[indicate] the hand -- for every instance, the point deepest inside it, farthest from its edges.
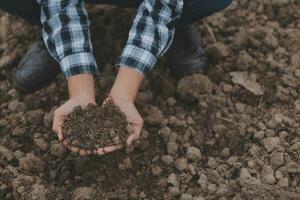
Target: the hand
(123, 94)
(133, 118)
(81, 92)
(60, 115)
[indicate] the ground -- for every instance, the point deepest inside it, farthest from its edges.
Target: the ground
(233, 133)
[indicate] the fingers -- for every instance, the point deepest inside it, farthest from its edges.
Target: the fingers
(100, 151)
(137, 132)
(81, 152)
(105, 150)
(131, 139)
(70, 147)
(84, 152)
(57, 125)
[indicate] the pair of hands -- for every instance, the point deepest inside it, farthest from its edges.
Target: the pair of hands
(128, 108)
(123, 94)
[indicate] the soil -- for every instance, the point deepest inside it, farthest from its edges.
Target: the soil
(207, 136)
(96, 127)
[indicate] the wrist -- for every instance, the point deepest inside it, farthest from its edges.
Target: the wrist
(81, 87)
(126, 85)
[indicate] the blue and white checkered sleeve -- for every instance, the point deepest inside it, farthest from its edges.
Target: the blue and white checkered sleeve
(67, 36)
(151, 34)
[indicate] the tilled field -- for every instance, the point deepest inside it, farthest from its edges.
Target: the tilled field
(233, 133)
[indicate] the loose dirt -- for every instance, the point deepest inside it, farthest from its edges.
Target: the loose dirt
(205, 137)
(96, 127)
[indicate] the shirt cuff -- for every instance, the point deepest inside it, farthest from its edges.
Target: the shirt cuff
(79, 63)
(141, 60)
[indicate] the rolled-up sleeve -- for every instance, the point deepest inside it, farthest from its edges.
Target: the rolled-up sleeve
(151, 34)
(66, 33)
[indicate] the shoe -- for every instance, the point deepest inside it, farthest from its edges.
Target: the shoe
(36, 69)
(186, 56)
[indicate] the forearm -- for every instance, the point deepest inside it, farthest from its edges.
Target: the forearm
(82, 87)
(66, 33)
(127, 84)
(144, 47)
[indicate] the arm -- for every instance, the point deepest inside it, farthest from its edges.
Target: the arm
(151, 34)
(81, 92)
(123, 94)
(126, 85)
(149, 38)
(65, 28)
(67, 37)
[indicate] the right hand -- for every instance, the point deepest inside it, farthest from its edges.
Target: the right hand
(82, 93)
(60, 115)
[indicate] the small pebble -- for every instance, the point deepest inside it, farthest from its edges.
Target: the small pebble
(156, 171)
(293, 167)
(41, 143)
(174, 191)
(172, 180)
(58, 150)
(203, 181)
(193, 154)
(172, 148)
(267, 175)
(167, 159)
(31, 163)
(116, 140)
(276, 160)
(181, 164)
(225, 153)
(212, 163)
(186, 197)
(271, 143)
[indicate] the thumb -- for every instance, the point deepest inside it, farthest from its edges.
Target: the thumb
(136, 135)
(57, 126)
(131, 139)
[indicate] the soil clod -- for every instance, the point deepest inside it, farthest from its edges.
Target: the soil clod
(96, 127)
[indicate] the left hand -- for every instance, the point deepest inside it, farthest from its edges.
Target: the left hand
(123, 94)
(133, 118)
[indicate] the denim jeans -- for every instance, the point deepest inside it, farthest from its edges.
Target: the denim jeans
(194, 10)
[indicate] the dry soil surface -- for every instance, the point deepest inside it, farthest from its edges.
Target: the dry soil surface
(233, 133)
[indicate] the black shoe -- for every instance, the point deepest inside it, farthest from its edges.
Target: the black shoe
(186, 56)
(36, 69)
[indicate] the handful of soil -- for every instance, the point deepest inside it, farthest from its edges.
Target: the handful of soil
(96, 127)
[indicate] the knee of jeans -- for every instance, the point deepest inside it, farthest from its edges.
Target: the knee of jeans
(195, 10)
(226, 3)
(222, 4)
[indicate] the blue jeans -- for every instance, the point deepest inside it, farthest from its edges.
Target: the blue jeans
(194, 10)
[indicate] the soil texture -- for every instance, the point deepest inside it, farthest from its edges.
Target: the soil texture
(232, 133)
(96, 127)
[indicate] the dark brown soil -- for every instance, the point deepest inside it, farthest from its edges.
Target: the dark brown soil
(96, 127)
(205, 137)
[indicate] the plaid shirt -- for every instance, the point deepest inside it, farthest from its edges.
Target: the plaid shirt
(67, 36)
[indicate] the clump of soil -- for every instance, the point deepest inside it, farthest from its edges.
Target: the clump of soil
(260, 191)
(206, 136)
(96, 126)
